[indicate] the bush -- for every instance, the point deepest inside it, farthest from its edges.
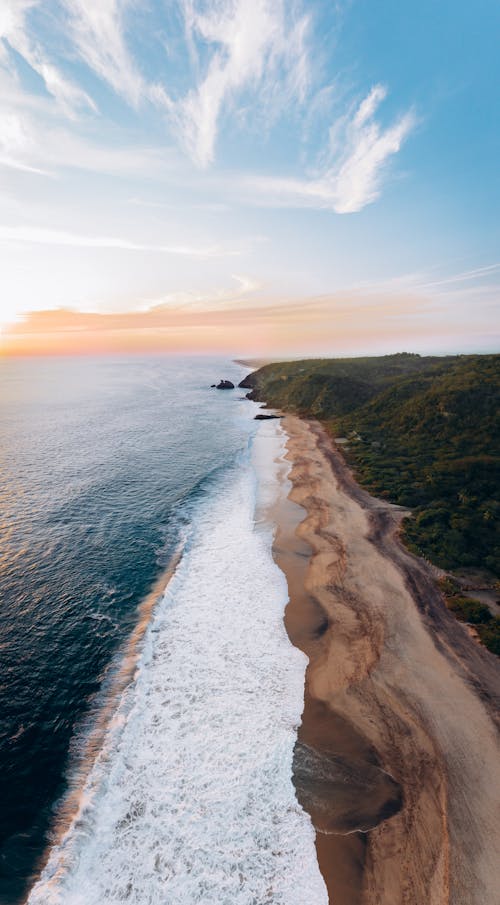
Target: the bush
(490, 635)
(468, 610)
(449, 585)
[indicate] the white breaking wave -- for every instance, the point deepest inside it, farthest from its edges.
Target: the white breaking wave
(191, 799)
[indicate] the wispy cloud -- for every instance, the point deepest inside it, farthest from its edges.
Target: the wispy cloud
(244, 59)
(216, 299)
(13, 164)
(478, 274)
(480, 284)
(15, 142)
(356, 161)
(34, 140)
(15, 34)
(97, 30)
(93, 30)
(254, 46)
(363, 154)
(42, 236)
(236, 48)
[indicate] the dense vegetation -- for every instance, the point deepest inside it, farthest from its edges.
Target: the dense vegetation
(486, 626)
(421, 432)
(327, 388)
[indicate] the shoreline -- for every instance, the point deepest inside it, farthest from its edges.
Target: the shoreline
(400, 791)
(92, 734)
(189, 740)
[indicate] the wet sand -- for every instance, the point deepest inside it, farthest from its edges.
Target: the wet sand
(397, 758)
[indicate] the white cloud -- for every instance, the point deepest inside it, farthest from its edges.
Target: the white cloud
(357, 181)
(16, 144)
(42, 236)
(356, 160)
(220, 299)
(248, 57)
(479, 283)
(13, 164)
(251, 40)
(14, 33)
(13, 135)
(368, 107)
(97, 29)
(35, 135)
(33, 140)
(478, 274)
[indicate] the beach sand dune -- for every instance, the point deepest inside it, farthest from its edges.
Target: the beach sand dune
(398, 757)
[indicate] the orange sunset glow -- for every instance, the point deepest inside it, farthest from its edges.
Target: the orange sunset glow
(342, 324)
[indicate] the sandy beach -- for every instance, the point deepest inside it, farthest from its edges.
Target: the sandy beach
(397, 758)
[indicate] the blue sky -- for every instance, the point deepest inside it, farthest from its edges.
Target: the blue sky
(236, 153)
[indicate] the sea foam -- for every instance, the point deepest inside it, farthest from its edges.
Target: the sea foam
(191, 798)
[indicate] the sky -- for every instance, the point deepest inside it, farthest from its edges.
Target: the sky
(251, 177)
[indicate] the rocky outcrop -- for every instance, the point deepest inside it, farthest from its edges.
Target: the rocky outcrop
(266, 417)
(250, 383)
(224, 385)
(247, 383)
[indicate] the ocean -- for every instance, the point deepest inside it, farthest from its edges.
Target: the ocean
(147, 728)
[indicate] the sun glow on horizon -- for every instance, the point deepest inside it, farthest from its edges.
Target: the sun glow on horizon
(356, 322)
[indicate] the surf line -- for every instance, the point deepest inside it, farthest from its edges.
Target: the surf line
(89, 741)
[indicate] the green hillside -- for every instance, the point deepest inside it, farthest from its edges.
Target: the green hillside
(422, 432)
(433, 443)
(327, 388)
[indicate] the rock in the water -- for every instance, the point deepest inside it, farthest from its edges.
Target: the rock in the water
(225, 385)
(265, 417)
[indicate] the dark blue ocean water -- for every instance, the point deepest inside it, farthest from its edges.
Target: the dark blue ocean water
(100, 460)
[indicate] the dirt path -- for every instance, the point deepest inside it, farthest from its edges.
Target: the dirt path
(398, 737)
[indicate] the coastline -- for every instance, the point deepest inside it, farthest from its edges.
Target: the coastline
(91, 738)
(400, 790)
(179, 773)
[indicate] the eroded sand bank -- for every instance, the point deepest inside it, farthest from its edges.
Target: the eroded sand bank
(398, 757)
